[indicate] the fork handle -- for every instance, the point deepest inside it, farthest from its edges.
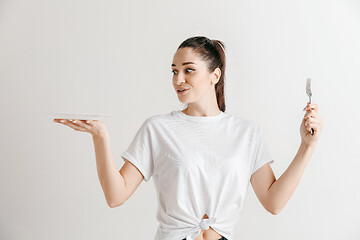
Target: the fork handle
(312, 130)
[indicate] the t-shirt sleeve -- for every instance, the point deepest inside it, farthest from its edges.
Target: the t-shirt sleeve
(139, 152)
(262, 155)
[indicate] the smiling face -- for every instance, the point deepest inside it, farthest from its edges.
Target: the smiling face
(191, 72)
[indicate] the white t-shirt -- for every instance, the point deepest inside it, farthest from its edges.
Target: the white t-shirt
(200, 165)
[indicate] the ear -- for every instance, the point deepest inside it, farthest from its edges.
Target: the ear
(215, 76)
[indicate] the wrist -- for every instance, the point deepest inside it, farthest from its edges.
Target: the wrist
(308, 145)
(100, 134)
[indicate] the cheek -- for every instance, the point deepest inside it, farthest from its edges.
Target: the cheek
(200, 90)
(198, 81)
(203, 85)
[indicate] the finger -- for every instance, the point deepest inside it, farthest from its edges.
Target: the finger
(307, 121)
(90, 122)
(311, 113)
(308, 114)
(83, 123)
(309, 126)
(74, 126)
(312, 106)
(314, 126)
(311, 121)
(59, 120)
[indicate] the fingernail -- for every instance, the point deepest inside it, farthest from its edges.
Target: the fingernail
(87, 121)
(62, 121)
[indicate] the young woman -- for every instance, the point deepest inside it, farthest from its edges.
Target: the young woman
(202, 159)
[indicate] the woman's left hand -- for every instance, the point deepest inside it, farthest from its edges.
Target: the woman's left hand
(313, 120)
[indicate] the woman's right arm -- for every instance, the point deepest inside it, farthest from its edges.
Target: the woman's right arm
(117, 186)
(111, 181)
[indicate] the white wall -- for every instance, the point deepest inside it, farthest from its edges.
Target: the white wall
(115, 56)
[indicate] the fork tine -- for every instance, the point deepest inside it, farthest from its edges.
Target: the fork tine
(308, 89)
(308, 83)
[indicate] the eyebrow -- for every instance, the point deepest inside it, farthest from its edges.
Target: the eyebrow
(185, 63)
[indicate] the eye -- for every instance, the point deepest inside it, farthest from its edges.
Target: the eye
(173, 71)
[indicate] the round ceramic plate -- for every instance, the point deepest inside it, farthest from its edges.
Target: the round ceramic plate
(80, 116)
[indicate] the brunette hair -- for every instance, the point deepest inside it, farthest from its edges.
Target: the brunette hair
(212, 52)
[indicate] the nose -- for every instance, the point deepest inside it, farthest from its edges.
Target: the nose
(179, 79)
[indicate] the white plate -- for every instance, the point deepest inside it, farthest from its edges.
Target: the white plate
(81, 116)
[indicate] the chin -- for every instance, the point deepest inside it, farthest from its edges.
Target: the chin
(184, 102)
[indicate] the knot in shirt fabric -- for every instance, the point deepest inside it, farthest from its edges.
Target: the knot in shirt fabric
(205, 223)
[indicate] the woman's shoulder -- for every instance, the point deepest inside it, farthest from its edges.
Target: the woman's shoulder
(157, 118)
(236, 119)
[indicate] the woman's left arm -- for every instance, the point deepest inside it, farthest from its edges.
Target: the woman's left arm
(275, 193)
(283, 188)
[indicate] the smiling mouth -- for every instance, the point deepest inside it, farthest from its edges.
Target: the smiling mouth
(182, 91)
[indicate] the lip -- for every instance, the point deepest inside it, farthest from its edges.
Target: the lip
(181, 93)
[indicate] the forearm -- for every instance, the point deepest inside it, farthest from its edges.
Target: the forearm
(283, 188)
(111, 181)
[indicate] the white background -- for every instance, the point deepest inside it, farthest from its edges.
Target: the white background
(114, 57)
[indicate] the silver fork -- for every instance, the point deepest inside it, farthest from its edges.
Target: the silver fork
(308, 92)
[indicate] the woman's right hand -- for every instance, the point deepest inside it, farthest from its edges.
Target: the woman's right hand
(94, 127)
